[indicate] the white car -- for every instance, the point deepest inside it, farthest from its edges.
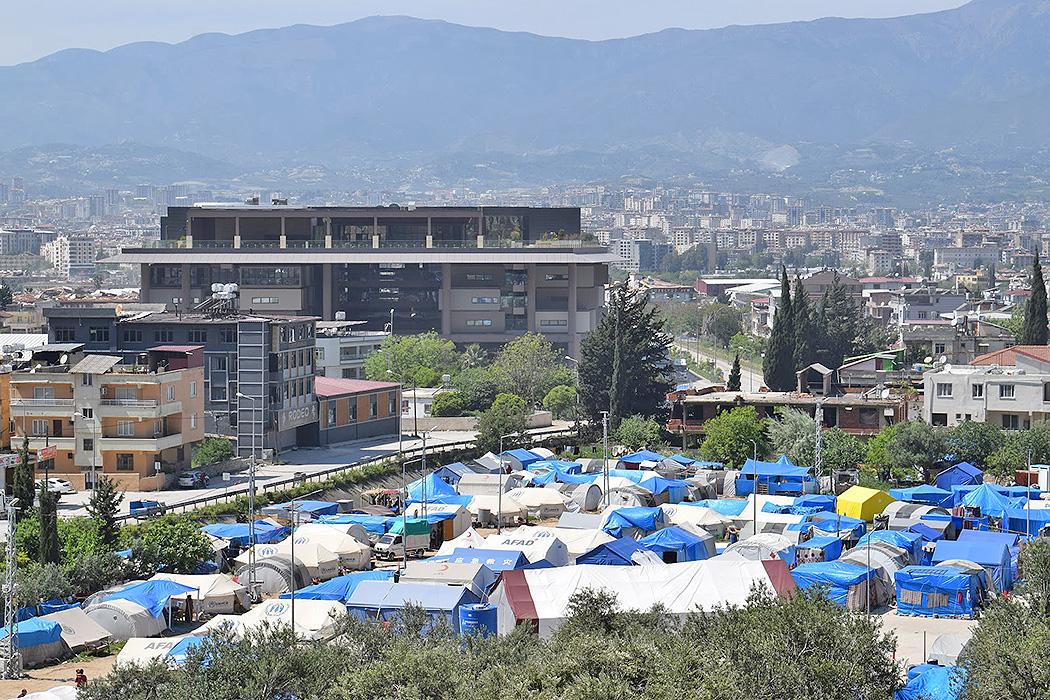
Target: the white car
(57, 485)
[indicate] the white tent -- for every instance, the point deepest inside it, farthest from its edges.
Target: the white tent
(541, 503)
(231, 622)
(947, 648)
(486, 484)
(703, 518)
(124, 619)
(758, 548)
(315, 620)
(541, 596)
(353, 556)
(468, 540)
(142, 650)
(577, 542)
(475, 577)
(541, 546)
(274, 575)
(459, 522)
(579, 497)
(61, 692)
(486, 509)
(620, 482)
(352, 529)
(320, 562)
(214, 594)
(542, 452)
(79, 631)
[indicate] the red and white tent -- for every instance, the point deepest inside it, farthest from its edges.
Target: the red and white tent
(540, 597)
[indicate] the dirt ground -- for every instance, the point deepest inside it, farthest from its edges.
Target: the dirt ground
(47, 678)
(909, 631)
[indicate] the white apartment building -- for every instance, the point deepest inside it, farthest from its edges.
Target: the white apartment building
(1011, 397)
(71, 256)
(341, 349)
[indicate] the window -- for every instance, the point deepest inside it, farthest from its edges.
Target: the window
(938, 419)
(163, 335)
(193, 390)
(938, 348)
(265, 300)
(125, 462)
(271, 276)
(193, 421)
(319, 354)
(89, 445)
(218, 392)
(391, 403)
(484, 300)
(921, 315)
(86, 380)
(479, 277)
(98, 334)
(1046, 392)
(548, 322)
(944, 390)
(87, 412)
(39, 427)
(373, 406)
(127, 393)
(171, 393)
(1006, 391)
(351, 405)
(331, 414)
(219, 363)
(198, 335)
(1010, 421)
(132, 336)
(43, 392)
(977, 391)
(476, 322)
(65, 335)
(227, 335)
(125, 428)
(556, 277)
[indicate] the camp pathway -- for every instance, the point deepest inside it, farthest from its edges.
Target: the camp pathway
(38, 679)
(909, 631)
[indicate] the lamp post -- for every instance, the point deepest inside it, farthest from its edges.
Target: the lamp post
(400, 398)
(818, 460)
(605, 455)
(251, 500)
(499, 495)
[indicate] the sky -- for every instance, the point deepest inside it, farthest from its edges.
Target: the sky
(33, 29)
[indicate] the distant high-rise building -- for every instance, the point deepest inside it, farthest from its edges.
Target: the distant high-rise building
(96, 205)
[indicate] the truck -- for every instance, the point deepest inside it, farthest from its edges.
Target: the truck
(411, 533)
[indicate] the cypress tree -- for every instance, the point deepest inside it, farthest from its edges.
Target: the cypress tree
(50, 549)
(25, 488)
(802, 314)
(778, 367)
(839, 325)
(733, 383)
(1034, 330)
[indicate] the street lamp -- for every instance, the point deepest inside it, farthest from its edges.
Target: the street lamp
(251, 499)
(400, 398)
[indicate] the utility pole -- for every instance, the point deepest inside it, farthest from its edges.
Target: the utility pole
(9, 656)
(818, 460)
(605, 456)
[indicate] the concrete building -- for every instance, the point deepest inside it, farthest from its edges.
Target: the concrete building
(343, 347)
(633, 254)
(137, 424)
(474, 274)
(71, 256)
(352, 409)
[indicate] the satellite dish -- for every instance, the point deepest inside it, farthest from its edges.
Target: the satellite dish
(927, 360)
(942, 359)
(885, 393)
(64, 359)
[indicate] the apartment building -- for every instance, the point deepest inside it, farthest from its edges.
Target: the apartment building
(71, 256)
(343, 347)
(137, 424)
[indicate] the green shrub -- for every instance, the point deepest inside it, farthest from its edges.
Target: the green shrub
(213, 451)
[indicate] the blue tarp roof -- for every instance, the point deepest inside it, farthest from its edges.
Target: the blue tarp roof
(553, 476)
(926, 494)
(457, 468)
(152, 595)
(373, 524)
(647, 519)
(615, 553)
(559, 464)
(836, 575)
(910, 542)
(832, 546)
(818, 500)
(688, 546)
(828, 522)
(496, 560)
(525, 457)
(311, 507)
(928, 533)
(642, 456)
(959, 474)
(238, 533)
(723, 506)
(940, 682)
(434, 486)
(945, 591)
(178, 652)
(685, 461)
(390, 595)
(781, 468)
(676, 489)
(990, 501)
(35, 631)
(341, 587)
(993, 556)
(1027, 521)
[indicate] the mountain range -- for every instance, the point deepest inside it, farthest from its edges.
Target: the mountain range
(406, 93)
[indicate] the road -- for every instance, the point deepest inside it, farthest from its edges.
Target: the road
(750, 380)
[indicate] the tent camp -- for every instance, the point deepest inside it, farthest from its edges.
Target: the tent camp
(79, 631)
(1031, 521)
(39, 641)
(925, 494)
(315, 620)
(818, 549)
(485, 509)
(429, 487)
(339, 588)
(762, 547)
(212, 594)
(674, 545)
(635, 459)
(541, 596)
(577, 542)
(581, 521)
(307, 510)
(619, 552)
(700, 517)
(541, 503)
(989, 501)
(904, 510)
(941, 591)
(777, 478)
(961, 474)
(239, 534)
(124, 619)
(940, 682)
(450, 518)
(886, 560)
(470, 538)
(849, 585)
(540, 546)
(487, 484)
(993, 555)
(632, 522)
(384, 601)
(496, 560)
(580, 497)
(477, 578)
(277, 574)
(862, 503)
(519, 459)
(908, 541)
(352, 554)
(320, 562)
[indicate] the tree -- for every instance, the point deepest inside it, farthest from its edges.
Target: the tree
(1034, 331)
(561, 401)
(840, 324)
(448, 404)
(778, 366)
(413, 360)
(731, 437)
(174, 544)
(50, 550)
(637, 432)
(1021, 448)
(7, 296)
(723, 322)
(804, 327)
(105, 504)
(913, 449)
(733, 383)
(507, 416)
(473, 356)
(877, 455)
(38, 583)
(478, 386)
(973, 442)
(212, 451)
(529, 367)
(793, 434)
(625, 366)
(25, 483)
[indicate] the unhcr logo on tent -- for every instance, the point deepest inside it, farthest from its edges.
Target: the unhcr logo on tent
(276, 609)
(302, 540)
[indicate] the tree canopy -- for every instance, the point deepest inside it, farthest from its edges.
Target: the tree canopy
(506, 416)
(413, 360)
(778, 366)
(1034, 331)
(733, 436)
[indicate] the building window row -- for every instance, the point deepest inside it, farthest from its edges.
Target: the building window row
(479, 322)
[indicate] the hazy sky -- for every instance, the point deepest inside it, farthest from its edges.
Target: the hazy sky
(31, 29)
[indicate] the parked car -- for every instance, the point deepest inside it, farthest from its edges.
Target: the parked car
(193, 479)
(57, 485)
(145, 509)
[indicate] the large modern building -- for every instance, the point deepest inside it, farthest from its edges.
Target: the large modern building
(474, 274)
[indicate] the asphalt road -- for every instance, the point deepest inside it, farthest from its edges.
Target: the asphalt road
(750, 380)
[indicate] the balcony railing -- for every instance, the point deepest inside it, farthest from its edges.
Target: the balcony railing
(305, 244)
(131, 403)
(260, 244)
(339, 245)
(41, 402)
(213, 244)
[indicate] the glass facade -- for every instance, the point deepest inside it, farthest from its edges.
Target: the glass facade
(369, 292)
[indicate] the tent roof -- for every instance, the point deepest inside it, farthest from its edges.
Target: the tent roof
(985, 553)
(831, 572)
(496, 560)
(782, 467)
(671, 538)
(387, 594)
(151, 595)
(265, 531)
(432, 484)
(340, 588)
(526, 457)
(642, 456)
(78, 630)
(35, 631)
(620, 550)
(990, 501)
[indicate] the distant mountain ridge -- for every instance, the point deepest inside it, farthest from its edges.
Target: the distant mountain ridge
(394, 87)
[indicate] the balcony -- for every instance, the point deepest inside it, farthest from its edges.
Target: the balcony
(138, 408)
(151, 443)
(41, 402)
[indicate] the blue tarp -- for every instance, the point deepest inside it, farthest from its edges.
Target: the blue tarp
(928, 533)
(832, 546)
(910, 542)
(942, 590)
(1012, 542)
(722, 506)
(452, 473)
(925, 494)
(432, 485)
(676, 489)
(615, 553)
(993, 556)
(35, 631)
(960, 492)
(559, 464)
(523, 456)
(646, 519)
(178, 652)
(642, 456)
(556, 475)
(990, 501)
(341, 587)
(782, 467)
(935, 683)
(152, 595)
(1026, 521)
(373, 524)
(446, 500)
(780, 477)
(685, 545)
(313, 508)
(817, 500)
(688, 461)
(386, 600)
(837, 576)
(238, 533)
(828, 522)
(961, 474)
(497, 560)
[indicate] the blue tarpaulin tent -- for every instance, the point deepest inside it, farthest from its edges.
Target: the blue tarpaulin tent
(676, 489)
(341, 587)
(935, 683)
(619, 552)
(910, 542)
(624, 519)
(452, 473)
(781, 477)
(554, 476)
(182, 648)
(961, 474)
(925, 494)
(1026, 521)
(496, 560)
(35, 631)
(373, 524)
(432, 485)
(311, 508)
(993, 556)
(558, 464)
(990, 501)
(831, 547)
(634, 460)
(816, 500)
(1012, 542)
(152, 595)
(521, 458)
(832, 522)
(937, 590)
(837, 576)
(238, 533)
(687, 461)
(722, 506)
(675, 545)
(384, 600)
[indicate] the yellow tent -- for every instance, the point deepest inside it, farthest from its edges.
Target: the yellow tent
(862, 503)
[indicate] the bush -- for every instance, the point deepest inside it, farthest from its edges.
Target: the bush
(41, 582)
(561, 401)
(94, 571)
(506, 417)
(213, 451)
(637, 432)
(448, 404)
(172, 543)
